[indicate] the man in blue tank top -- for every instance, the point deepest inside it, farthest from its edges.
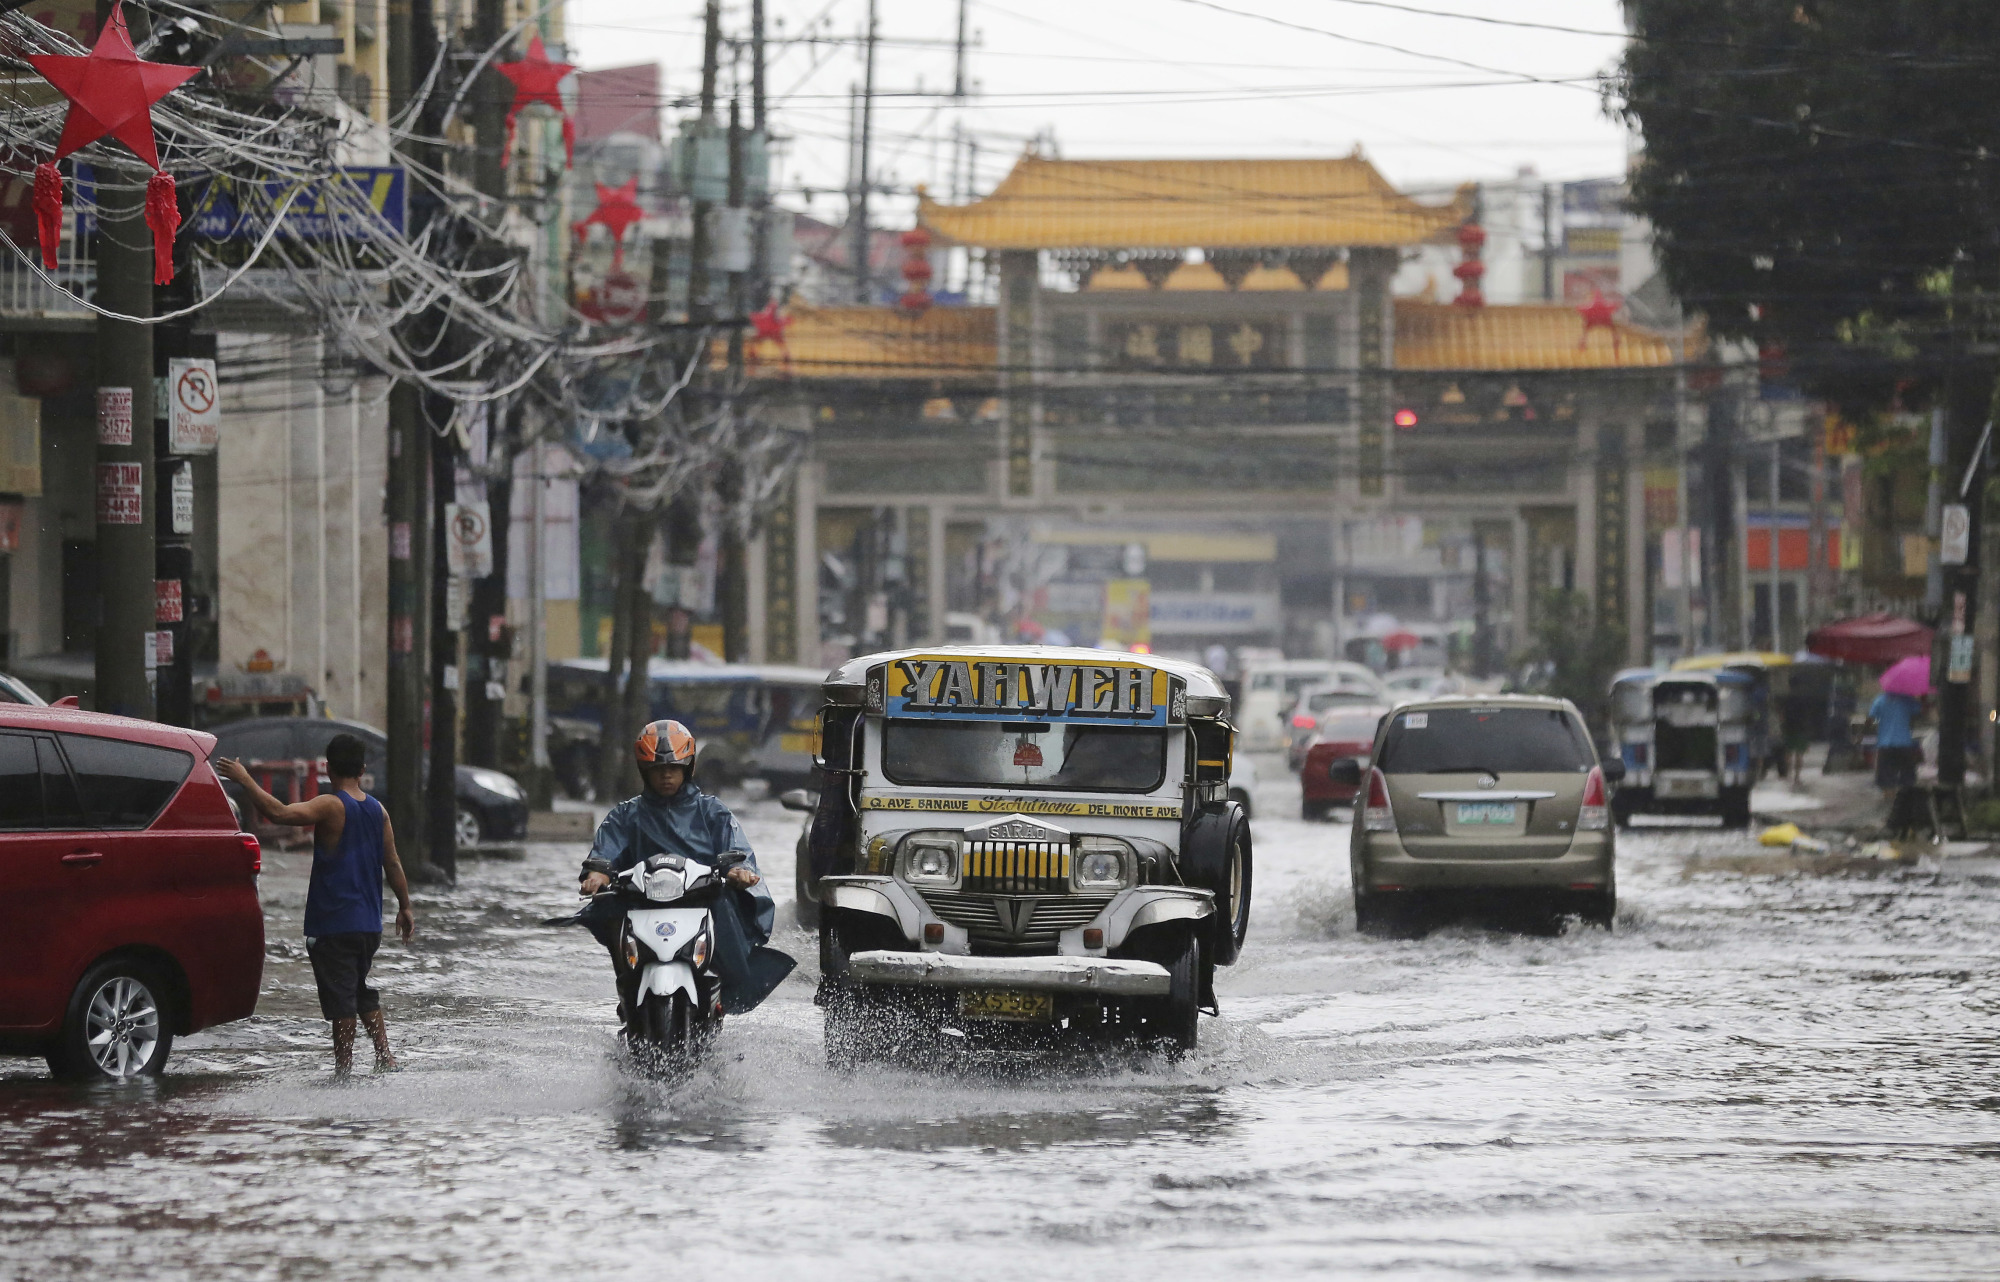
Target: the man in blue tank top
(353, 848)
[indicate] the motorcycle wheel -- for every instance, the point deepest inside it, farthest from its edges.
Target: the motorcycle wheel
(667, 1029)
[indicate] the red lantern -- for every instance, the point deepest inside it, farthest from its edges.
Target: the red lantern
(1471, 239)
(915, 303)
(916, 271)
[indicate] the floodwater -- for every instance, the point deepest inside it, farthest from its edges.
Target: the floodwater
(1769, 1071)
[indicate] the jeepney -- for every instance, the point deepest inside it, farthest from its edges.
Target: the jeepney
(1681, 736)
(1014, 837)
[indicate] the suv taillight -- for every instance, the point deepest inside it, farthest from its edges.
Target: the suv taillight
(1377, 816)
(1594, 817)
(252, 849)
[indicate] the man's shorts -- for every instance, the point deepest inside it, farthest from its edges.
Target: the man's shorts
(1896, 767)
(340, 968)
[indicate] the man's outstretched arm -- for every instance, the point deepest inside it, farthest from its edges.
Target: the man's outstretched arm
(298, 814)
(392, 872)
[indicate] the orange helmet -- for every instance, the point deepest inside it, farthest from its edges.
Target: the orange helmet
(665, 743)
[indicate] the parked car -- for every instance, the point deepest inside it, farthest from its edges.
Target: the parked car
(491, 805)
(128, 896)
(1343, 732)
(1315, 704)
(1498, 795)
(1409, 684)
(1271, 686)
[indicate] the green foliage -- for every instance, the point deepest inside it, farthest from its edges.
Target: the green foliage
(1581, 652)
(1821, 176)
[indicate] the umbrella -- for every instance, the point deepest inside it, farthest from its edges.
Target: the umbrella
(1401, 641)
(1911, 676)
(1872, 638)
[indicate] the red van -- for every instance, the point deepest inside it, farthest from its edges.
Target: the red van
(1343, 732)
(128, 897)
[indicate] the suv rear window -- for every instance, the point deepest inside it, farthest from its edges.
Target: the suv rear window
(1496, 740)
(125, 784)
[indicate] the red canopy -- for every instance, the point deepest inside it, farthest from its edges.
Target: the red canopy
(1872, 638)
(1401, 641)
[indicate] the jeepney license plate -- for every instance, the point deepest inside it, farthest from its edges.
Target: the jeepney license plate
(1686, 787)
(1486, 812)
(990, 1003)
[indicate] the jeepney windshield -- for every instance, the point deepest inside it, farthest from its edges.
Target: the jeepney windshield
(1024, 754)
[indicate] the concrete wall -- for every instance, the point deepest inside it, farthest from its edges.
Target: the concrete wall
(303, 543)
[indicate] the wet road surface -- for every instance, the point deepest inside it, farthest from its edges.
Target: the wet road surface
(1771, 1070)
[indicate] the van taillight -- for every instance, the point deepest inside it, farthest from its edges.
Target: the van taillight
(252, 849)
(1377, 816)
(1593, 817)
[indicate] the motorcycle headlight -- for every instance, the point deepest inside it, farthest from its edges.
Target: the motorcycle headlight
(930, 860)
(1102, 863)
(665, 885)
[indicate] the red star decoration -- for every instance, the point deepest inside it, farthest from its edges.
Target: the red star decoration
(770, 325)
(110, 91)
(535, 80)
(1597, 314)
(617, 209)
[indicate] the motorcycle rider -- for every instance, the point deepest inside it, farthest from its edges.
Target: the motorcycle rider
(674, 816)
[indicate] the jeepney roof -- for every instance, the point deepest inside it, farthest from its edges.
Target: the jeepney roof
(853, 674)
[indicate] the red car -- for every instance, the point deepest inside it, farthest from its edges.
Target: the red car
(128, 897)
(1343, 732)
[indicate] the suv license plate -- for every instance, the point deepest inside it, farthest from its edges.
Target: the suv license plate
(983, 1003)
(1486, 812)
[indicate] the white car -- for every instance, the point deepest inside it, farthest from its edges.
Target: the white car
(1270, 689)
(1407, 685)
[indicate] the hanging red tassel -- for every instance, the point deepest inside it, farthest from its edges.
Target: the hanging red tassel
(569, 140)
(48, 211)
(507, 155)
(163, 215)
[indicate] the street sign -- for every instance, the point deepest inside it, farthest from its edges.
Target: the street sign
(120, 496)
(1955, 535)
(469, 545)
(180, 501)
(114, 416)
(167, 601)
(194, 411)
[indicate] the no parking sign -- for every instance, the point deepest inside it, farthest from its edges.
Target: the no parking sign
(194, 410)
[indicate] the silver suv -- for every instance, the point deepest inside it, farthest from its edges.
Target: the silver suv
(1499, 795)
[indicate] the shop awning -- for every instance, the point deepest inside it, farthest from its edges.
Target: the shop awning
(1872, 638)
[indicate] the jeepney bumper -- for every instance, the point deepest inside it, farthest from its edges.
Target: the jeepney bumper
(1129, 910)
(1086, 976)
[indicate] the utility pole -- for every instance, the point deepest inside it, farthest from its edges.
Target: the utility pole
(958, 89)
(1482, 627)
(125, 556)
(735, 589)
(1548, 242)
(1777, 595)
(407, 491)
(864, 286)
(700, 307)
(541, 786)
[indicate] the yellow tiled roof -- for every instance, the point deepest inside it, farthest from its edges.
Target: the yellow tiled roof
(1525, 337)
(880, 342)
(1136, 204)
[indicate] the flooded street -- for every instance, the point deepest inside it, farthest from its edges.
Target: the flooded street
(1767, 1072)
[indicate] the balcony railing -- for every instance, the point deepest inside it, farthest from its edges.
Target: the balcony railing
(23, 293)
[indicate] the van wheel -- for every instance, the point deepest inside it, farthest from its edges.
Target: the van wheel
(118, 1025)
(1736, 807)
(1600, 910)
(1315, 811)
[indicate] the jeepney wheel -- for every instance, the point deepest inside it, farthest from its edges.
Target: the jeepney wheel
(1736, 807)
(859, 1022)
(1232, 900)
(1172, 1021)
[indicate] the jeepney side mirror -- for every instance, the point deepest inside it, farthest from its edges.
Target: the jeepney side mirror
(796, 799)
(1614, 770)
(1346, 771)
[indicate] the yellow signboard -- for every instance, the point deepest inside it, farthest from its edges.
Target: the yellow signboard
(1023, 806)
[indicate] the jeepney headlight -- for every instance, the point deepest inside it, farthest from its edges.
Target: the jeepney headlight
(1102, 863)
(930, 859)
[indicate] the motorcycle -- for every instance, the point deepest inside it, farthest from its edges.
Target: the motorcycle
(670, 996)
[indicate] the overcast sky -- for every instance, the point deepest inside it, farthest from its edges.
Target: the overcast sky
(1165, 78)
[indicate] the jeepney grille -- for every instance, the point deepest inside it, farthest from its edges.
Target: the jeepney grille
(1016, 868)
(1015, 924)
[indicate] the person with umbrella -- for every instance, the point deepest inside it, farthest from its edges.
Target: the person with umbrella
(1894, 713)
